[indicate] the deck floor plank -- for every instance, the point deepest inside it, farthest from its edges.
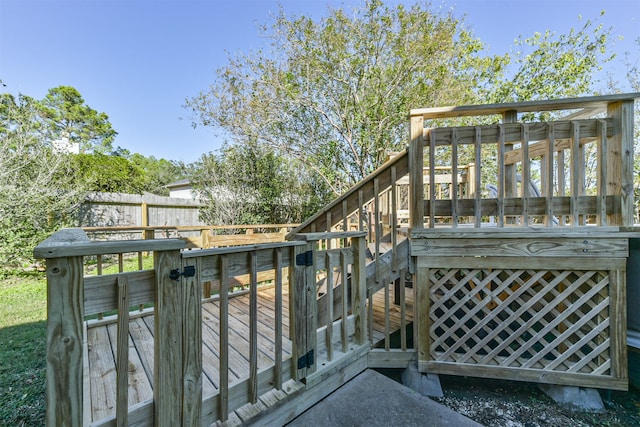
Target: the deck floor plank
(101, 346)
(139, 385)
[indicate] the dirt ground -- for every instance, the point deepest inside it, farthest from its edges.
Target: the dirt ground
(518, 404)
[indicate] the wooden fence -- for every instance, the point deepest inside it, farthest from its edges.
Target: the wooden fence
(121, 210)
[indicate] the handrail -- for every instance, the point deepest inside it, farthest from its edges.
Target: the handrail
(595, 105)
(356, 197)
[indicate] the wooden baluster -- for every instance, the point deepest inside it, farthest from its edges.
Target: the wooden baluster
(526, 174)
(329, 299)
(345, 301)
(361, 211)
(99, 271)
(432, 179)
(387, 322)
(562, 185)
(359, 289)
(253, 328)
(224, 337)
(548, 188)
(454, 177)
(602, 172)
(575, 174)
(278, 319)
(122, 356)
(501, 175)
(477, 179)
(393, 219)
(376, 208)
(403, 311)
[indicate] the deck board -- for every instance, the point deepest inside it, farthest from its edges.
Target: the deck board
(102, 346)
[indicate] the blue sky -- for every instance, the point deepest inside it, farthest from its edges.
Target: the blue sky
(137, 60)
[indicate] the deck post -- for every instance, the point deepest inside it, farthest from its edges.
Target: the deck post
(620, 163)
(65, 315)
(168, 386)
(298, 312)
(359, 288)
(510, 182)
(192, 346)
(416, 168)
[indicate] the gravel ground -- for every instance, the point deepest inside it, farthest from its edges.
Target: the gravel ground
(519, 404)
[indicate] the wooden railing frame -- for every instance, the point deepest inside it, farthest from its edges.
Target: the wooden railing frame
(178, 398)
(64, 252)
(614, 136)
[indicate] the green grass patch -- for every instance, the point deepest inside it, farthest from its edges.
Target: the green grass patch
(23, 336)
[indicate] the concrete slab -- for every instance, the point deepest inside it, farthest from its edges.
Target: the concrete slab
(425, 384)
(574, 398)
(371, 399)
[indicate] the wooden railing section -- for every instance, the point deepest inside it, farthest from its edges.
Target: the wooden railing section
(508, 155)
(378, 206)
(525, 279)
(330, 287)
(178, 397)
(198, 237)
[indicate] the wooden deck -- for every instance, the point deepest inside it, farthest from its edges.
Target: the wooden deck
(101, 348)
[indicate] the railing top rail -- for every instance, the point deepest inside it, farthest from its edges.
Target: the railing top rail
(74, 242)
(398, 160)
(186, 227)
(578, 232)
(239, 249)
(593, 102)
(312, 237)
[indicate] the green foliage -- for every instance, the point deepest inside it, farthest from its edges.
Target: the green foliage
(68, 116)
(249, 184)
(37, 193)
(158, 172)
(550, 66)
(104, 173)
(335, 93)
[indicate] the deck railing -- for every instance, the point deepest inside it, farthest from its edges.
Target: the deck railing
(528, 173)
(525, 278)
(182, 394)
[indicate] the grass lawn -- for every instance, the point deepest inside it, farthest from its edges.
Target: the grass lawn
(23, 338)
(23, 335)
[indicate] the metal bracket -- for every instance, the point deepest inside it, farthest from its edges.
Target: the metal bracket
(304, 259)
(189, 271)
(306, 361)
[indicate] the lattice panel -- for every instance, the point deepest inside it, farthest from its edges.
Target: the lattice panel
(529, 319)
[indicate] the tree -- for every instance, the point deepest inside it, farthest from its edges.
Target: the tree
(550, 66)
(335, 93)
(68, 116)
(105, 173)
(37, 194)
(247, 184)
(158, 172)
